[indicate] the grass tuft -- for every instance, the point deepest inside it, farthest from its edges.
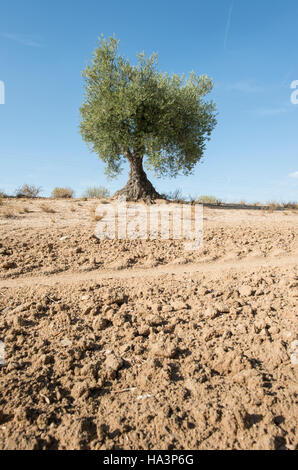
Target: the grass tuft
(96, 192)
(208, 200)
(46, 208)
(62, 193)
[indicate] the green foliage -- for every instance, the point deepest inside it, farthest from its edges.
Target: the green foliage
(62, 193)
(209, 200)
(135, 111)
(28, 191)
(96, 192)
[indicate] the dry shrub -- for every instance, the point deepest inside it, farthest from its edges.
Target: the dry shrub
(28, 191)
(46, 208)
(22, 210)
(208, 200)
(96, 192)
(8, 213)
(290, 205)
(175, 195)
(63, 193)
(95, 216)
(272, 206)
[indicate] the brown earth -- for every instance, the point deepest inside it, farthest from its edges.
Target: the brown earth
(140, 344)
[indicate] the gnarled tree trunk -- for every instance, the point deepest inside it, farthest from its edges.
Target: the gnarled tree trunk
(138, 185)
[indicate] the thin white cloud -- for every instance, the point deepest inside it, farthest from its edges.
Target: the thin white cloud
(245, 86)
(228, 25)
(294, 175)
(25, 39)
(270, 111)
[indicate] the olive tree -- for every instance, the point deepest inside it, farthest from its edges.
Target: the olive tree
(137, 113)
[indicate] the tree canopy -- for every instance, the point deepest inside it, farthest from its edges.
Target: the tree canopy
(135, 112)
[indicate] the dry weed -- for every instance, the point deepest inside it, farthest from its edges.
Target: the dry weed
(8, 213)
(95, 216)
(46, 208)
(63, 193)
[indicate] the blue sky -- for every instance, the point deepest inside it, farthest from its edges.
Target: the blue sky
(250, 49)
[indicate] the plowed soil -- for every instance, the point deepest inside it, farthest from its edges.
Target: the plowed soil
(139, 344)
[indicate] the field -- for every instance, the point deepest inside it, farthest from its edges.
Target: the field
(138, 344)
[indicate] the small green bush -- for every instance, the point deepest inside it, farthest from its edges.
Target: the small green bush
(28, 191)
(96, 192)
(62, 193)
(208, 200)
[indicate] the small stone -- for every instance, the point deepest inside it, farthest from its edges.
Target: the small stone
(211, 313)
(113, 364)
(294, 359)
(18, 321)
(79, 389)
(245, 291)
(274, 330)
(155, 320)
(222, 308)
(180, 261)
(167, 308)
(143, 330)
(163, 350)
(65, 342)
(87, 310)
(143, 397)
(179, 305)
(12, 366)
(6, 310)
(100, 323)
(259, 325)
(9, 265)
(156, 307)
